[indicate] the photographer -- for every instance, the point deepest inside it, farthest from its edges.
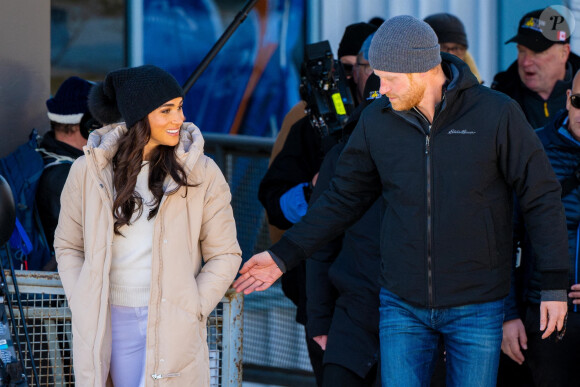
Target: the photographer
(285, 189)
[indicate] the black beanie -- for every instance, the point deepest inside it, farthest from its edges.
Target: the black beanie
(448, 28)
(353, 38)
(130, 94)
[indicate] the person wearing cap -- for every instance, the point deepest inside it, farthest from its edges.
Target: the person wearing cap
(294, 163)
(446, 178)
(452, 38)
(551, 362)
(140, 210)
(60, 147)
(539, 78)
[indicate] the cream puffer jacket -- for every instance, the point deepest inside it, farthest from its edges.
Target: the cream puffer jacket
(190, 226)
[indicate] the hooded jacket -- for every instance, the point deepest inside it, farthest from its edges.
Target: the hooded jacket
(446, 233)
(192, 224)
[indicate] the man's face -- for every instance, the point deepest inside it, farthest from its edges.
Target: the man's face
(403, 90)
(540, 71)
(348, 62)
(574, 112)
(361, 72)
(456, 49)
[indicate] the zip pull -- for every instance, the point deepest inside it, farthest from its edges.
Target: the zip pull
(161, 376)
(426, 145)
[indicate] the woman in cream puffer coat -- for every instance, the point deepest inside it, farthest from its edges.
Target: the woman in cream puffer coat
(192, 223)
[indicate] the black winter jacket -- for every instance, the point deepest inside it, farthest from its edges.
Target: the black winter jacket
(537, 111)
(564, 156)
(52, 182)
(446, 234)
(342, 283)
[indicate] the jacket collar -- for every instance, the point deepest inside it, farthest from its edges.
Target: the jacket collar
(104, 142)
(550, 131)
(459, 78)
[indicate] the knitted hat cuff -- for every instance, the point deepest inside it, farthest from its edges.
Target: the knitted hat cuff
(417, 60)
(65, 118)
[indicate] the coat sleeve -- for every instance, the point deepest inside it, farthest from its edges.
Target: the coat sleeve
(353, 189)
(526, 167)
(219, 245)
(320, 293)
(68, 237)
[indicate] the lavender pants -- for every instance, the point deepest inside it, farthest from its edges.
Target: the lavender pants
(129, 326)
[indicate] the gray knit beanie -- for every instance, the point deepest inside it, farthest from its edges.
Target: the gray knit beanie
(404, 44)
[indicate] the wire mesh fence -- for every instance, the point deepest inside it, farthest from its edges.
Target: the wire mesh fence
(48, 321)
(272, 338)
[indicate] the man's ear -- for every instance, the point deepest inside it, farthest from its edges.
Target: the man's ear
(566, 51)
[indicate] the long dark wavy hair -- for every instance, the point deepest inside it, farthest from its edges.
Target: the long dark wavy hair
(126, 166)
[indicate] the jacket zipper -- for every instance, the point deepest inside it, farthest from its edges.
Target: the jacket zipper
(429, 219)
(160, 215)
(429, 209)
(163, 376)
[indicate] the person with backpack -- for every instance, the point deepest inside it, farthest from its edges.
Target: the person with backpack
(139, 211)
(59, 148)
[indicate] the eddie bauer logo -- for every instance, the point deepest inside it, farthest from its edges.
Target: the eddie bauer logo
(464, 131)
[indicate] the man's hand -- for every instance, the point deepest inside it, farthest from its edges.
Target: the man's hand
(514, 338)
(552, 316)
(575, 294)
(321, 340)
(259, 273)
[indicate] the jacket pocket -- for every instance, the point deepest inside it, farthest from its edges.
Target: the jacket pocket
(491, 241)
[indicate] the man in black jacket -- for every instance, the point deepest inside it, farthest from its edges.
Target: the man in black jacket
(445, 155)
(552, 363)
(538, 80)
(61, 146)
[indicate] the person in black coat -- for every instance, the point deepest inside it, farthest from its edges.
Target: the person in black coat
(551, 362)
(342, 285)
(446, 177)
(60, 147)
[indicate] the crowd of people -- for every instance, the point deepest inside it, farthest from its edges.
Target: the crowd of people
(414, 225)
(433, 240)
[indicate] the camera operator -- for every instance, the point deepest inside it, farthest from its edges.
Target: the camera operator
(285, 189)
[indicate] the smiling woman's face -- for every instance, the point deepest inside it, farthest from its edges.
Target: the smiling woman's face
(165, 123)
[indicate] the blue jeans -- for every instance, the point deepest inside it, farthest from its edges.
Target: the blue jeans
(409, 336)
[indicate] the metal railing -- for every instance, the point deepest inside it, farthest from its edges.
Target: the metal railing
(274, 344)
(49, 327)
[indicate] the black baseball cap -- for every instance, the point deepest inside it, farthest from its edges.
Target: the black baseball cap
(540, 29)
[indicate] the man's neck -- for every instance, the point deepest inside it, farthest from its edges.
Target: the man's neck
(545, 94)
(433, 95)
(74, 139)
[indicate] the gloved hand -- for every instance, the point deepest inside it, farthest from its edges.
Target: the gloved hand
(293, 203)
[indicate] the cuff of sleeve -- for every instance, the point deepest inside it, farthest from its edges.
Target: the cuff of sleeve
(317, 328)
(554, 295)
(288, 252)
(280, 263)
(555, 280)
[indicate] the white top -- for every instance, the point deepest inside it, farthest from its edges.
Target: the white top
(130, 275)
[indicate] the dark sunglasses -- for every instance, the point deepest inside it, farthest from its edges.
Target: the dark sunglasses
(347, 68)
(575, 100)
